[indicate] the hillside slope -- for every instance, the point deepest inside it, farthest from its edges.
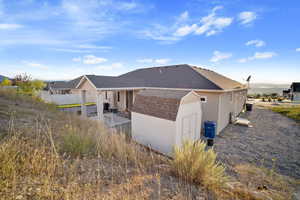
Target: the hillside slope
(48, 154)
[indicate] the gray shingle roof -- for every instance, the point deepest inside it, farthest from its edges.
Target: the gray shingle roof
(65, 84)
(115, 82)
(295, 87)
(175, 76)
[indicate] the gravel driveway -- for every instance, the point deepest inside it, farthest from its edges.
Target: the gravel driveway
(272, 136)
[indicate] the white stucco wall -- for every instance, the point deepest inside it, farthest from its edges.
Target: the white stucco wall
(154, 132)
(230, 102)
(210, 108)
(63, 99)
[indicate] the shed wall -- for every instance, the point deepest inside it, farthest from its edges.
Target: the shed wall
(155, 132)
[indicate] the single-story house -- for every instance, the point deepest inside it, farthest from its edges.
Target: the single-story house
(63, 87)
(295, 91)
(222, 99)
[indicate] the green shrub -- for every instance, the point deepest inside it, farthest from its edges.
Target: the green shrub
(195, 164)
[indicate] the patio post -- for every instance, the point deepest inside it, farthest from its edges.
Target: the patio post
(100, 101)
(83, 101)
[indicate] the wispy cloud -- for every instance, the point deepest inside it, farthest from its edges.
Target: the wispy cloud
(218, 56)
(247, 17)
(298, 49)
(257, 43)
(160, 61)
(258, 56)
(87, 22)
(113, 66)
(89, 60)
(10, 26)
(208, 25)
(34, 64)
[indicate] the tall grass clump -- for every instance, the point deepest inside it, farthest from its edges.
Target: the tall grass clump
(195, 164)
(78, 145)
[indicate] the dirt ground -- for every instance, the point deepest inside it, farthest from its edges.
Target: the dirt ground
(273, 141)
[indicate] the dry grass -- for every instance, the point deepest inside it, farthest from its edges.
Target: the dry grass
(47, 154)
(193, 163)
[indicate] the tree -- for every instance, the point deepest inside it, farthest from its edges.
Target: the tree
(27, 85)
(5, 82)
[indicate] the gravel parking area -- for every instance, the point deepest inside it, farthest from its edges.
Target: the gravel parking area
(272, 137)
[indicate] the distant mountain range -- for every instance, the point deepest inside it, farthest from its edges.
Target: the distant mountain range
(267, 88)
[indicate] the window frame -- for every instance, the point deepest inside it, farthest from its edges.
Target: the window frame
(205, 99)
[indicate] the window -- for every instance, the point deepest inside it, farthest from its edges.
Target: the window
(105, 94)
(118, 94)
(203, 99)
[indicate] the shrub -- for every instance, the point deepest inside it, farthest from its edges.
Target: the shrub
(76, 144)
(193, 163)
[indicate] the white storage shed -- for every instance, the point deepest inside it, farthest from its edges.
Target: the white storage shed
(164, 118)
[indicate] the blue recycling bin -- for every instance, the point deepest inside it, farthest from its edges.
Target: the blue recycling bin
(210, 129)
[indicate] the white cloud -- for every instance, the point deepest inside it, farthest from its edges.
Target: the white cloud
(263, 55)
(91, 46)
(34, 64)
(185, 30)
(298, 49)
(76, 59)
(218, 56)
(71, 50)
(160, 61)
(113, 66)
(183, 17)
(257, 43)
(145, 60)
(247, 17)
(10, 26)
(211, 24)
(91, 59)
(208, 25)
(243, 60)
(258, 56)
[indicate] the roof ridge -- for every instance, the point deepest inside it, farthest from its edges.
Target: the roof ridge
(198, 70)
(199, 73)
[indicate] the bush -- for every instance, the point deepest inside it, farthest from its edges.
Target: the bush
(77, 145)
(193, 163)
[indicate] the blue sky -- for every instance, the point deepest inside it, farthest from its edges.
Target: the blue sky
(63, 39)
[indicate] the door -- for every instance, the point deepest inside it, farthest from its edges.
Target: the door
(189, 127)
(129, 99)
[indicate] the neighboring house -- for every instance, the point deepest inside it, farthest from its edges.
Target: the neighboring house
(286, 93)
(222, 98)
(64, 92)
(295, 91)
(63, 87)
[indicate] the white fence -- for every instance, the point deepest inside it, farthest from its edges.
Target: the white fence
(61, 99)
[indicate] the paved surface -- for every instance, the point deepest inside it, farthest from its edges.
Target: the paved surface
(272, 136)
